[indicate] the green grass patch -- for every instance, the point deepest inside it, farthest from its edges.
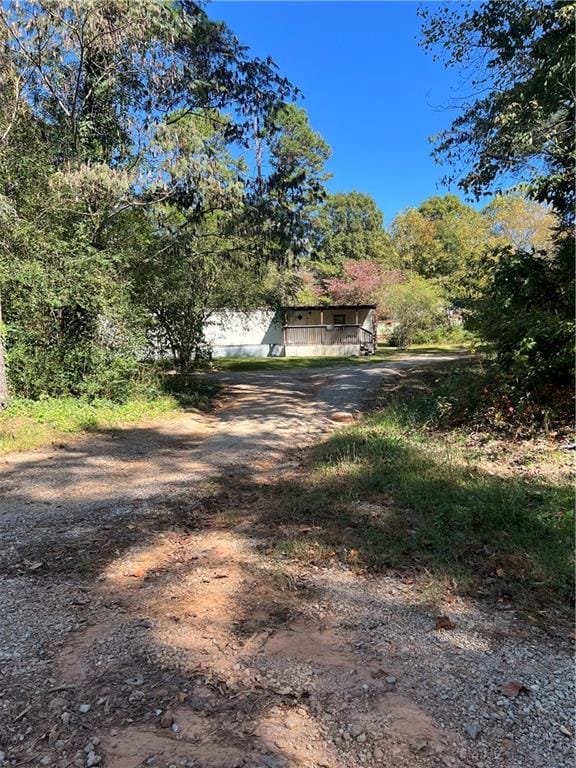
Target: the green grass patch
(383, 354)
(390, 492)
(27, 424)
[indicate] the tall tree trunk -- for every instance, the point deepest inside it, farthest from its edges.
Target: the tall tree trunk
(3, 377)
(258, 152)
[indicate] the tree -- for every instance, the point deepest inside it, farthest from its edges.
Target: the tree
(415, 304)
(443, 239)
(92, 90)
(350, 227)
(524, 224)
(526, 312)
(309, 291)
(359, 282)
(416, 243)
(106, 72)
(10, 108)
(521, 122)
(286, 204)
(364, 282)
(194, 260)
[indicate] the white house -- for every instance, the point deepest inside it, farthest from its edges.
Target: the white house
(301, 331)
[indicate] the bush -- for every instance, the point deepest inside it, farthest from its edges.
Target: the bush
(35, 371)
(526, 312)
(416, 306)
(445, 335)
(85, 371)
(119, 379)
(480, 396)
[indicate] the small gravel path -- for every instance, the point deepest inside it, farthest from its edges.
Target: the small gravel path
(143, 620)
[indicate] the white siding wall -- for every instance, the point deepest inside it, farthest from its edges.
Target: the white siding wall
(256, 333)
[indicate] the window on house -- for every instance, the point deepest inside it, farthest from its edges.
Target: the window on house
(339, 319)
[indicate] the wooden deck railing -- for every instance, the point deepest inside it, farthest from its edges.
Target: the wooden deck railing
(327, 334)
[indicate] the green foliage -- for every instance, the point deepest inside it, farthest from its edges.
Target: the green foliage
(521, 223)
(350, 227)
(523, 116)
(443, 239)
(295, 146)
(287, 203)
(521, 122)
(527, 313)
(446, 335)
(122, 210)
(478, 397)
(416, 305)
(27, 424)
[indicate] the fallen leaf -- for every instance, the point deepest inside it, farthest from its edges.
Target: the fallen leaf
(444, 622)
(500, 572)
(342, 416)
(513, 688)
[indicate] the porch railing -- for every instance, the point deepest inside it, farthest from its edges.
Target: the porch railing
(327, 334)
(367, 340)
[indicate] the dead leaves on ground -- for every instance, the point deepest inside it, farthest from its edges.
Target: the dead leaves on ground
(513, 688)
(444, 623)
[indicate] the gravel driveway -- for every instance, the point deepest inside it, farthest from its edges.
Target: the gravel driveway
(143, 622)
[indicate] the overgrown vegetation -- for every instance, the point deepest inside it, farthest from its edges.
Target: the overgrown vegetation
(27, 424)
(520, 121)
(126, 214)
(31, 423)
(407, 490)
(153, 171)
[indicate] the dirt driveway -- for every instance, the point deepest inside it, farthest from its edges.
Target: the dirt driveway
(143, 620)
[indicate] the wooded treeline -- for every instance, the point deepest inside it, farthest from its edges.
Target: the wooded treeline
(152, 170)
(127, 204)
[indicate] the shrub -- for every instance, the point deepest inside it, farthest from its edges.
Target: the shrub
(119, 379)
(526, 312)
(416, 306)
(444, 335)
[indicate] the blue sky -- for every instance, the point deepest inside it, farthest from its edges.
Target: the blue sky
(368, 88)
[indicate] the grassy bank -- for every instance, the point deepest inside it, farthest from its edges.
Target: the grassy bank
(481, 513)
(383, 354)
(27, 424)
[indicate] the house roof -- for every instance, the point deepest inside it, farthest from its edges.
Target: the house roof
(331, 306)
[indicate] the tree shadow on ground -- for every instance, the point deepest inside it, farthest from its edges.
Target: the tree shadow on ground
(375, 499)
(198, 591)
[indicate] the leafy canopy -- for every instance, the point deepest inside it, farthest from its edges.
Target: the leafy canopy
(520, 58)
(350, 226)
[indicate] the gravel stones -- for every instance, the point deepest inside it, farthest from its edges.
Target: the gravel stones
(473, 730)
(167, 719)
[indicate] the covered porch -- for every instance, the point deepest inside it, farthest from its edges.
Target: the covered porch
(333, 330)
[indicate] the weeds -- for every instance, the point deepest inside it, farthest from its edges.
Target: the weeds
(394, 492)
(28, 424)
